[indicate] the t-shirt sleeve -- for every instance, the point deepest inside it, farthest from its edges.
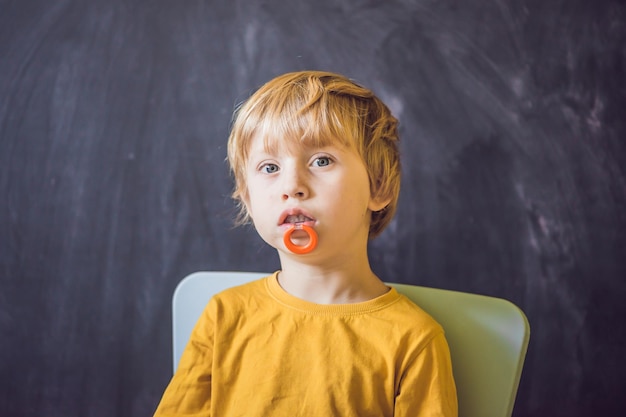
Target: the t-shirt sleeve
(427, 386)
(189, 391)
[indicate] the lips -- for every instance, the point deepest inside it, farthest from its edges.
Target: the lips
(296, 216)
(300, 218)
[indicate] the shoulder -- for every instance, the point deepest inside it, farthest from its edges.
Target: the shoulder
(409, 324)
(243, 297)
(413, 314)
(243, 290)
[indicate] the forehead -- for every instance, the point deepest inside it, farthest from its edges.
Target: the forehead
(259, 145)
(288, 132)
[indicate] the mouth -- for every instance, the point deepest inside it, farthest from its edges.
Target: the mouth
(295, 217)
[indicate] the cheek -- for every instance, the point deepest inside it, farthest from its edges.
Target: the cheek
(246, 201)
(356, 204)
(255, 200)
(361, 195)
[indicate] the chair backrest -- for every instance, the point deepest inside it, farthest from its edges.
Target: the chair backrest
(488, 336)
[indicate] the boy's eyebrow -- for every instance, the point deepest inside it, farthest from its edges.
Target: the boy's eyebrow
(260, 154)
(306, 148)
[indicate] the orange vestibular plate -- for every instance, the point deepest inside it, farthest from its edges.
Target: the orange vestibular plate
(300, 250)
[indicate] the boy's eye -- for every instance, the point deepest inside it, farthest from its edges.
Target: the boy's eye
(269, 168)
(322, 161)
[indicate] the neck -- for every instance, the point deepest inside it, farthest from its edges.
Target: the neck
(338, 282)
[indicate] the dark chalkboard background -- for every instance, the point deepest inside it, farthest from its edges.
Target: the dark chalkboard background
(113, 120)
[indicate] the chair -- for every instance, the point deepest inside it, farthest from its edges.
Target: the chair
(488, 337)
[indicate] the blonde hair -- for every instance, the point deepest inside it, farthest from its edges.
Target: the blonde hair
(319, 109)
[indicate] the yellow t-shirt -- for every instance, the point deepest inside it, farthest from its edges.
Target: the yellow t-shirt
(258, 351)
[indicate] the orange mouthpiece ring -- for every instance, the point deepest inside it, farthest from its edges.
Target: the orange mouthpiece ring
(300, 250)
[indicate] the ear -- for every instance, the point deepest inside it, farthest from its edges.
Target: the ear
(378, 203)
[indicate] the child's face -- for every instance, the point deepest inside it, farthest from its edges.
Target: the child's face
(326, 188)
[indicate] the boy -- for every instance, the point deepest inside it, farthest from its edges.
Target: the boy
(317, 170)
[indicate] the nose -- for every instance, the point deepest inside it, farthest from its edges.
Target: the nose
(295, 183)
